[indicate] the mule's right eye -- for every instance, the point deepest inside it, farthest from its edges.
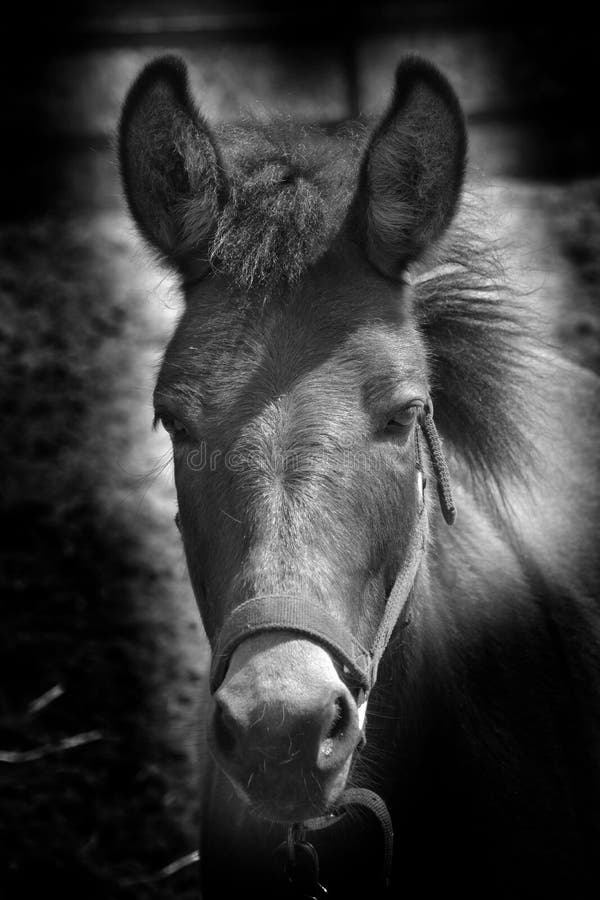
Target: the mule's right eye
(172, 426)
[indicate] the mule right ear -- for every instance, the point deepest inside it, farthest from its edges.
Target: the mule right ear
(170, 165)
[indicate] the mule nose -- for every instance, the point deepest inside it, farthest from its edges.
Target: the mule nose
(319, 736)
(284, 726)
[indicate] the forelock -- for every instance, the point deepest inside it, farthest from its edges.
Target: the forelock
(289, 191)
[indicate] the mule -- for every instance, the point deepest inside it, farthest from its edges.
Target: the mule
(348, 373)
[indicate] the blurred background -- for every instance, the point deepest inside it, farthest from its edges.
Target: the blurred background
(101, 652)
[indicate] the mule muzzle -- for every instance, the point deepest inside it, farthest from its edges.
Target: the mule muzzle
(284, 726)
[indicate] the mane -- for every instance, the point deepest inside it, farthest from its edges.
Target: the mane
(288, 191)
(483, 357)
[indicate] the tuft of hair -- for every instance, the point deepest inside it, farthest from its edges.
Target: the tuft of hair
(288, 193)
(483, 350)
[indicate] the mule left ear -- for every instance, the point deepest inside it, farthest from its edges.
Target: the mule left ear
(413, 170)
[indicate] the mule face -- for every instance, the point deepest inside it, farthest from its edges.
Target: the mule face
(296, 477)
(292, 414)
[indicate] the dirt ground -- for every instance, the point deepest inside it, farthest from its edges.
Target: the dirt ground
(96, 604)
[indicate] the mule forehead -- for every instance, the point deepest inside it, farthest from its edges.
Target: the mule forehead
(344, 334)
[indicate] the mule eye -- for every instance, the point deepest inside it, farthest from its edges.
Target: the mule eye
(403, 419)
(173, 426)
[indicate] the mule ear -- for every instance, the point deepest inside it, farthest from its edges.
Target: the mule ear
(413, 170)
(170, 165)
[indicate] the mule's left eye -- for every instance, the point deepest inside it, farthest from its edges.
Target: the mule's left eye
(403, 419)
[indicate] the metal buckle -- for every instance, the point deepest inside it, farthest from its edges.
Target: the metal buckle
(302, 865)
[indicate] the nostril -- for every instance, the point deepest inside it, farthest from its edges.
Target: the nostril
(340, 719)
(340, 735)
(224, 732)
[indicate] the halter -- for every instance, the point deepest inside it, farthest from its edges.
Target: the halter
(359, 664)
(289, 612)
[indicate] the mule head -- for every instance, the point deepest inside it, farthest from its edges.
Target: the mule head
(292, 403)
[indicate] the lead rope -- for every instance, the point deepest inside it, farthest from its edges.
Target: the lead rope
(302, 868)
(440, 466)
